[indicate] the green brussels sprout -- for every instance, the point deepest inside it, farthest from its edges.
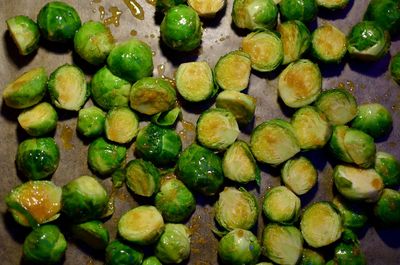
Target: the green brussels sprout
(93, 42)
(174, 244)
(387, 208)
(358, 184)
(282, 244)
(175, 201)
(332, 4)
(274, 142)
(167, 118)
(310, 257)
(281, 205)
(181, 28)
(242, 106)
(299, 175)
(118, 177)
(118, 253)
(131, 60)
(386, 13)
(300, 83)
(25, 34)
(353, 216)
(336, 144)
(264, 263)
(239, 247)
(207, 8)
(152, 95)
(236, 208)
(254, 14)
(367, 41)
(44, 245)
(58, 21)
(83, 199)
(200, 170)
(164, 5)
(142, 177)
(348, 251)
(321, 224)
(195, 81)
(67, 87)
(37, 158)
(105, 157)
(92, 233)
(27, 90)
(311, 128)
(152, 260)
(388, 167)
(217, 129)
(303, 10)
(395, 68)
(373, 119)
(360, 147)
(121, 125)
(338, 105)
(239, 164)
(142, 225)
(265, 50)
(38, 120)
(328, 44)
(34, 202)
(295, 38)
(91, 122)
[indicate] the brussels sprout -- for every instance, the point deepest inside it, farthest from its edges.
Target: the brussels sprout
(105, 157)
(38, 158)
(353, 216)
(44, 245)
(310, 257)
(264, 263)
(281, 205)
(332, 4)
(181, 28)
(153, 260)
(207, 8)
(142, 225)
(239, 164)
(348, 251)
(336, 143)
(295, 38)
(367, 41)
(328, 44)
(255, 14)
(338, 105)
(358, 184)
(25, 34)
(167, 118)
(386, 13)
(274, 142)
(239, 247)
(152, 95)
(142, 177)
(265, 49)
(93, 233)
(93, 42)
(67, 87)
(321, 224)
(34, 202)
(131, 60)
(217, 129)
(360, 147)
(27, 90)
(300, 83)
(299, 175)
(388, 167)
(164, 5)
(387, 208)
(373, 119)
(303, 10)
(282, 244)
(39, 120)
(121, 125)
(395, 68)
(83, 199)
(242, 106)
(118, 253)
(200, 169)
(174, 244)
(118, 177)
(91, 122)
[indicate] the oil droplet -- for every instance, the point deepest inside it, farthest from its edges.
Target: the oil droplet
(152, 2)
(90, 262)
(135, 8)
(102, 12)
(95, 2)
(94, 11)
(161, 69)
(115, 16)
(153, 52)
(152, 36)
(133, 32)
(66, 137)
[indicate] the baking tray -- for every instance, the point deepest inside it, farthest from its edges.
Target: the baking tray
(368, 82)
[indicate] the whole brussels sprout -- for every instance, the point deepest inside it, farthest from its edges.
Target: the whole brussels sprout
(153, 260)
(118, 253)
(39, 119)
(386, 13)
(303, 10)
(91, 122)
(348, 251)
(353, 215)
(164, 5)
(25, 34)
(255, 14)
(174, 244)
(387, 208)
(92, 233)
(395, 68)
(310, 257)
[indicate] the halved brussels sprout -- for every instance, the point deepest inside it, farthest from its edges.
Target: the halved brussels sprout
(27, 90)
(310, 257)
(395, 68)
(131, 60)
(167, 118)
(92, 233)
(174, 244)
(388, 167)
(353, 216)
(360, 147)
(152, 260)
(328, 44)
(358, 184)
(239, 247)
(44, 245)
(93, 42)
(118, 253)
(25, 34)
(37, 158)
(282, 244)
(303, 10)
(295, 38)
(200, 170)
(39, 119)
(336, 144)
(242, 106)
(332, 4)
(387, 208)
(142, 225)
(281, 205)
(181, 28)
(105, 157)
(121, 125)
(274, 142)
(321, 224)
(255, 14)
(373, 119)
(142, 177)
(91, 122)
(206, 8)
(299, 175)
(338, 105)
(217, 129)
(386, 13)
(300, 83)
(265, 49)
(67, 87)
(349, 251)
